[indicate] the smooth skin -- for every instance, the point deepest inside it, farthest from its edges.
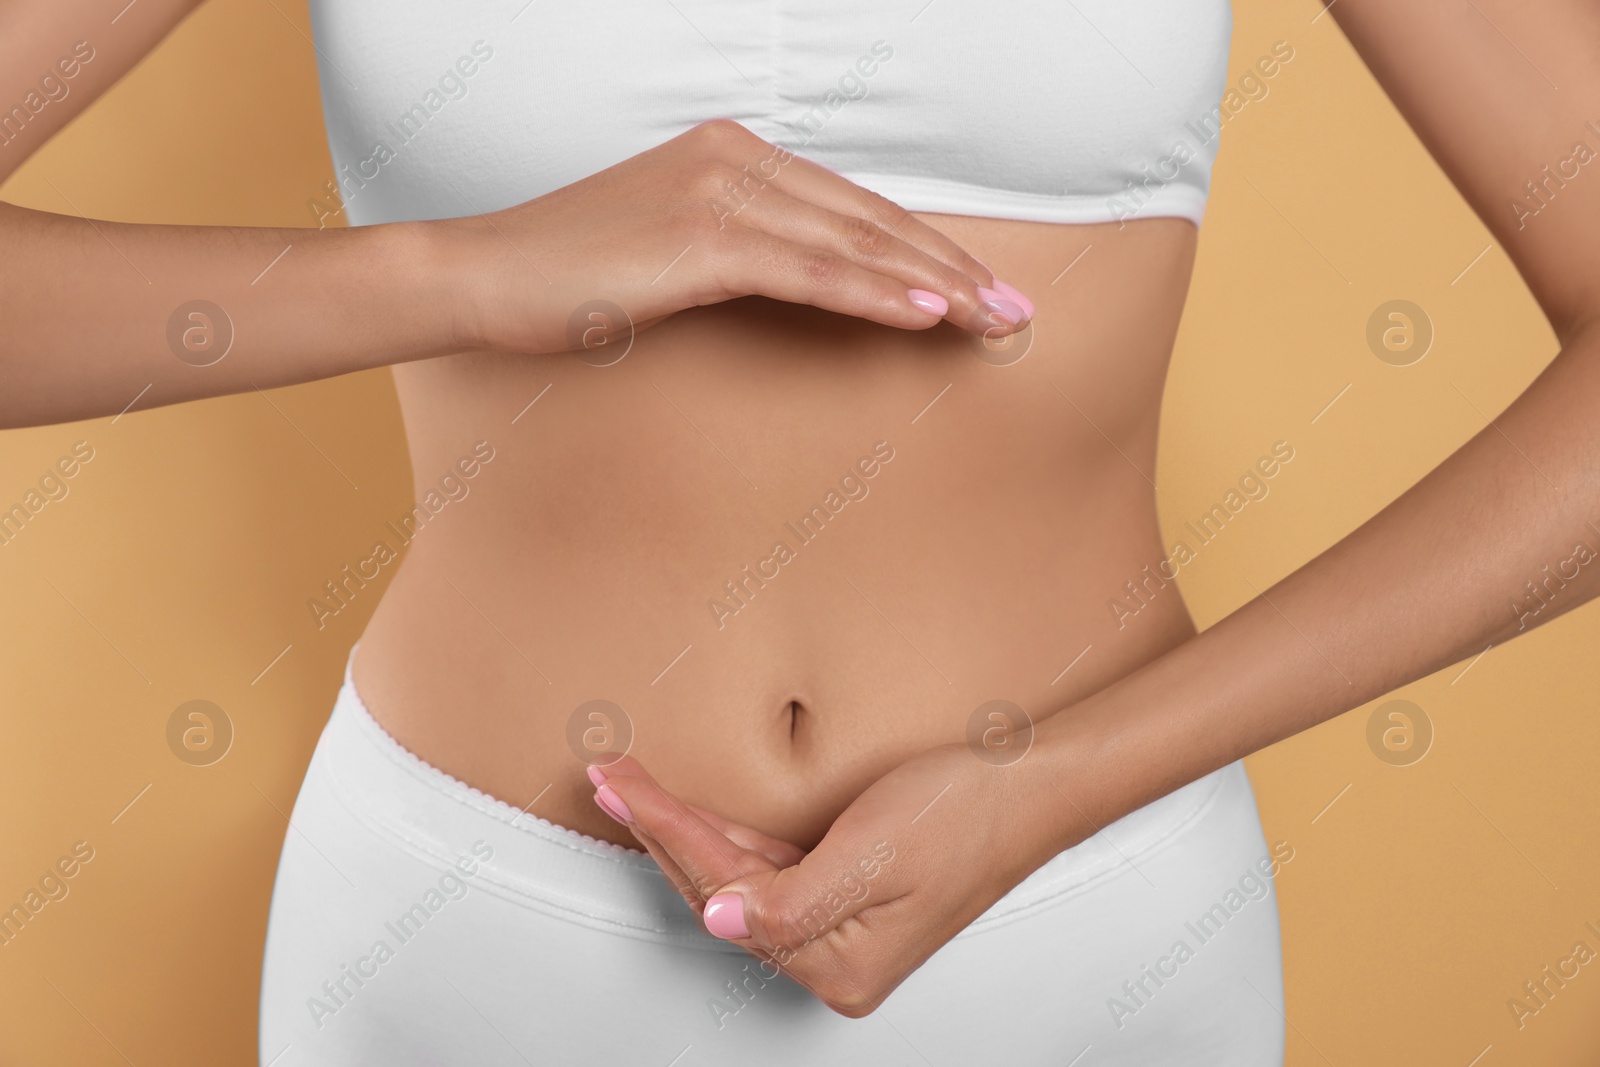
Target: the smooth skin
(625, 499)
(1421, 585)
(827, 715)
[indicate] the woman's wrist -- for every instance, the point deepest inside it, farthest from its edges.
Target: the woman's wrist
(344, 300)
(483, 276)
(1068, 795)
(444, 269)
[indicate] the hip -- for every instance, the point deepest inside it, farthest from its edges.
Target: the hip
(415, 918)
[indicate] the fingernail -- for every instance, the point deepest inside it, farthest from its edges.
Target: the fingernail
(608, 799)
(597, 776)
(1001, 305)
(1013, 294)
(724, 916)
(932, 303)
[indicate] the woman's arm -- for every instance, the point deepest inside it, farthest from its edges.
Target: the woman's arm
(99, 315)
(86, 304)
(1428, 581)
(58, 56)
(1438, 575)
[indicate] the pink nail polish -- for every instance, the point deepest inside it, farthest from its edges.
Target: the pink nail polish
(1001, 304)
(932, 303)
(597, 776)
(1010, 292)
(609, 799)
(724, 916)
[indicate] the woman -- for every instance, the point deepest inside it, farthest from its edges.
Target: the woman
(806, 545)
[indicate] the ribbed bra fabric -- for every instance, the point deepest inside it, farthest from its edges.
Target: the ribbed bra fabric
(1068, 112)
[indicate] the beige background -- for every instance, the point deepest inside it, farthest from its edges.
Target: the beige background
(179, 566)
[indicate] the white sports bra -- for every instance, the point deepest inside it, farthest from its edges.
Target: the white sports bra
(1046, 110)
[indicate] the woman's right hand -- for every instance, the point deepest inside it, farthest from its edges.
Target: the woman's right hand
(713, 214)
(101, 316)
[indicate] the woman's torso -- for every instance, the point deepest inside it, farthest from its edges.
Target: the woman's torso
(792, 547)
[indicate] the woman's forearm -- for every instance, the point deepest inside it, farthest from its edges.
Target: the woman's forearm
(98, 313)
(1500, 538)
(1443, 572)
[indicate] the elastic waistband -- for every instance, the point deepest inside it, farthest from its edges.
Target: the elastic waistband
(568, 875)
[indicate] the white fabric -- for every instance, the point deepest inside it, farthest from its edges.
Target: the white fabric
(1090, 111)
(418, 921)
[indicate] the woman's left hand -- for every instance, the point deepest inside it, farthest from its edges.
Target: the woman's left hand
(920, 854)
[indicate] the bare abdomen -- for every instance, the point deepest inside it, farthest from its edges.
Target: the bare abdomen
(793, 548)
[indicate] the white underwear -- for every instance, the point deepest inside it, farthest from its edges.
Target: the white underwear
(416, 920)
